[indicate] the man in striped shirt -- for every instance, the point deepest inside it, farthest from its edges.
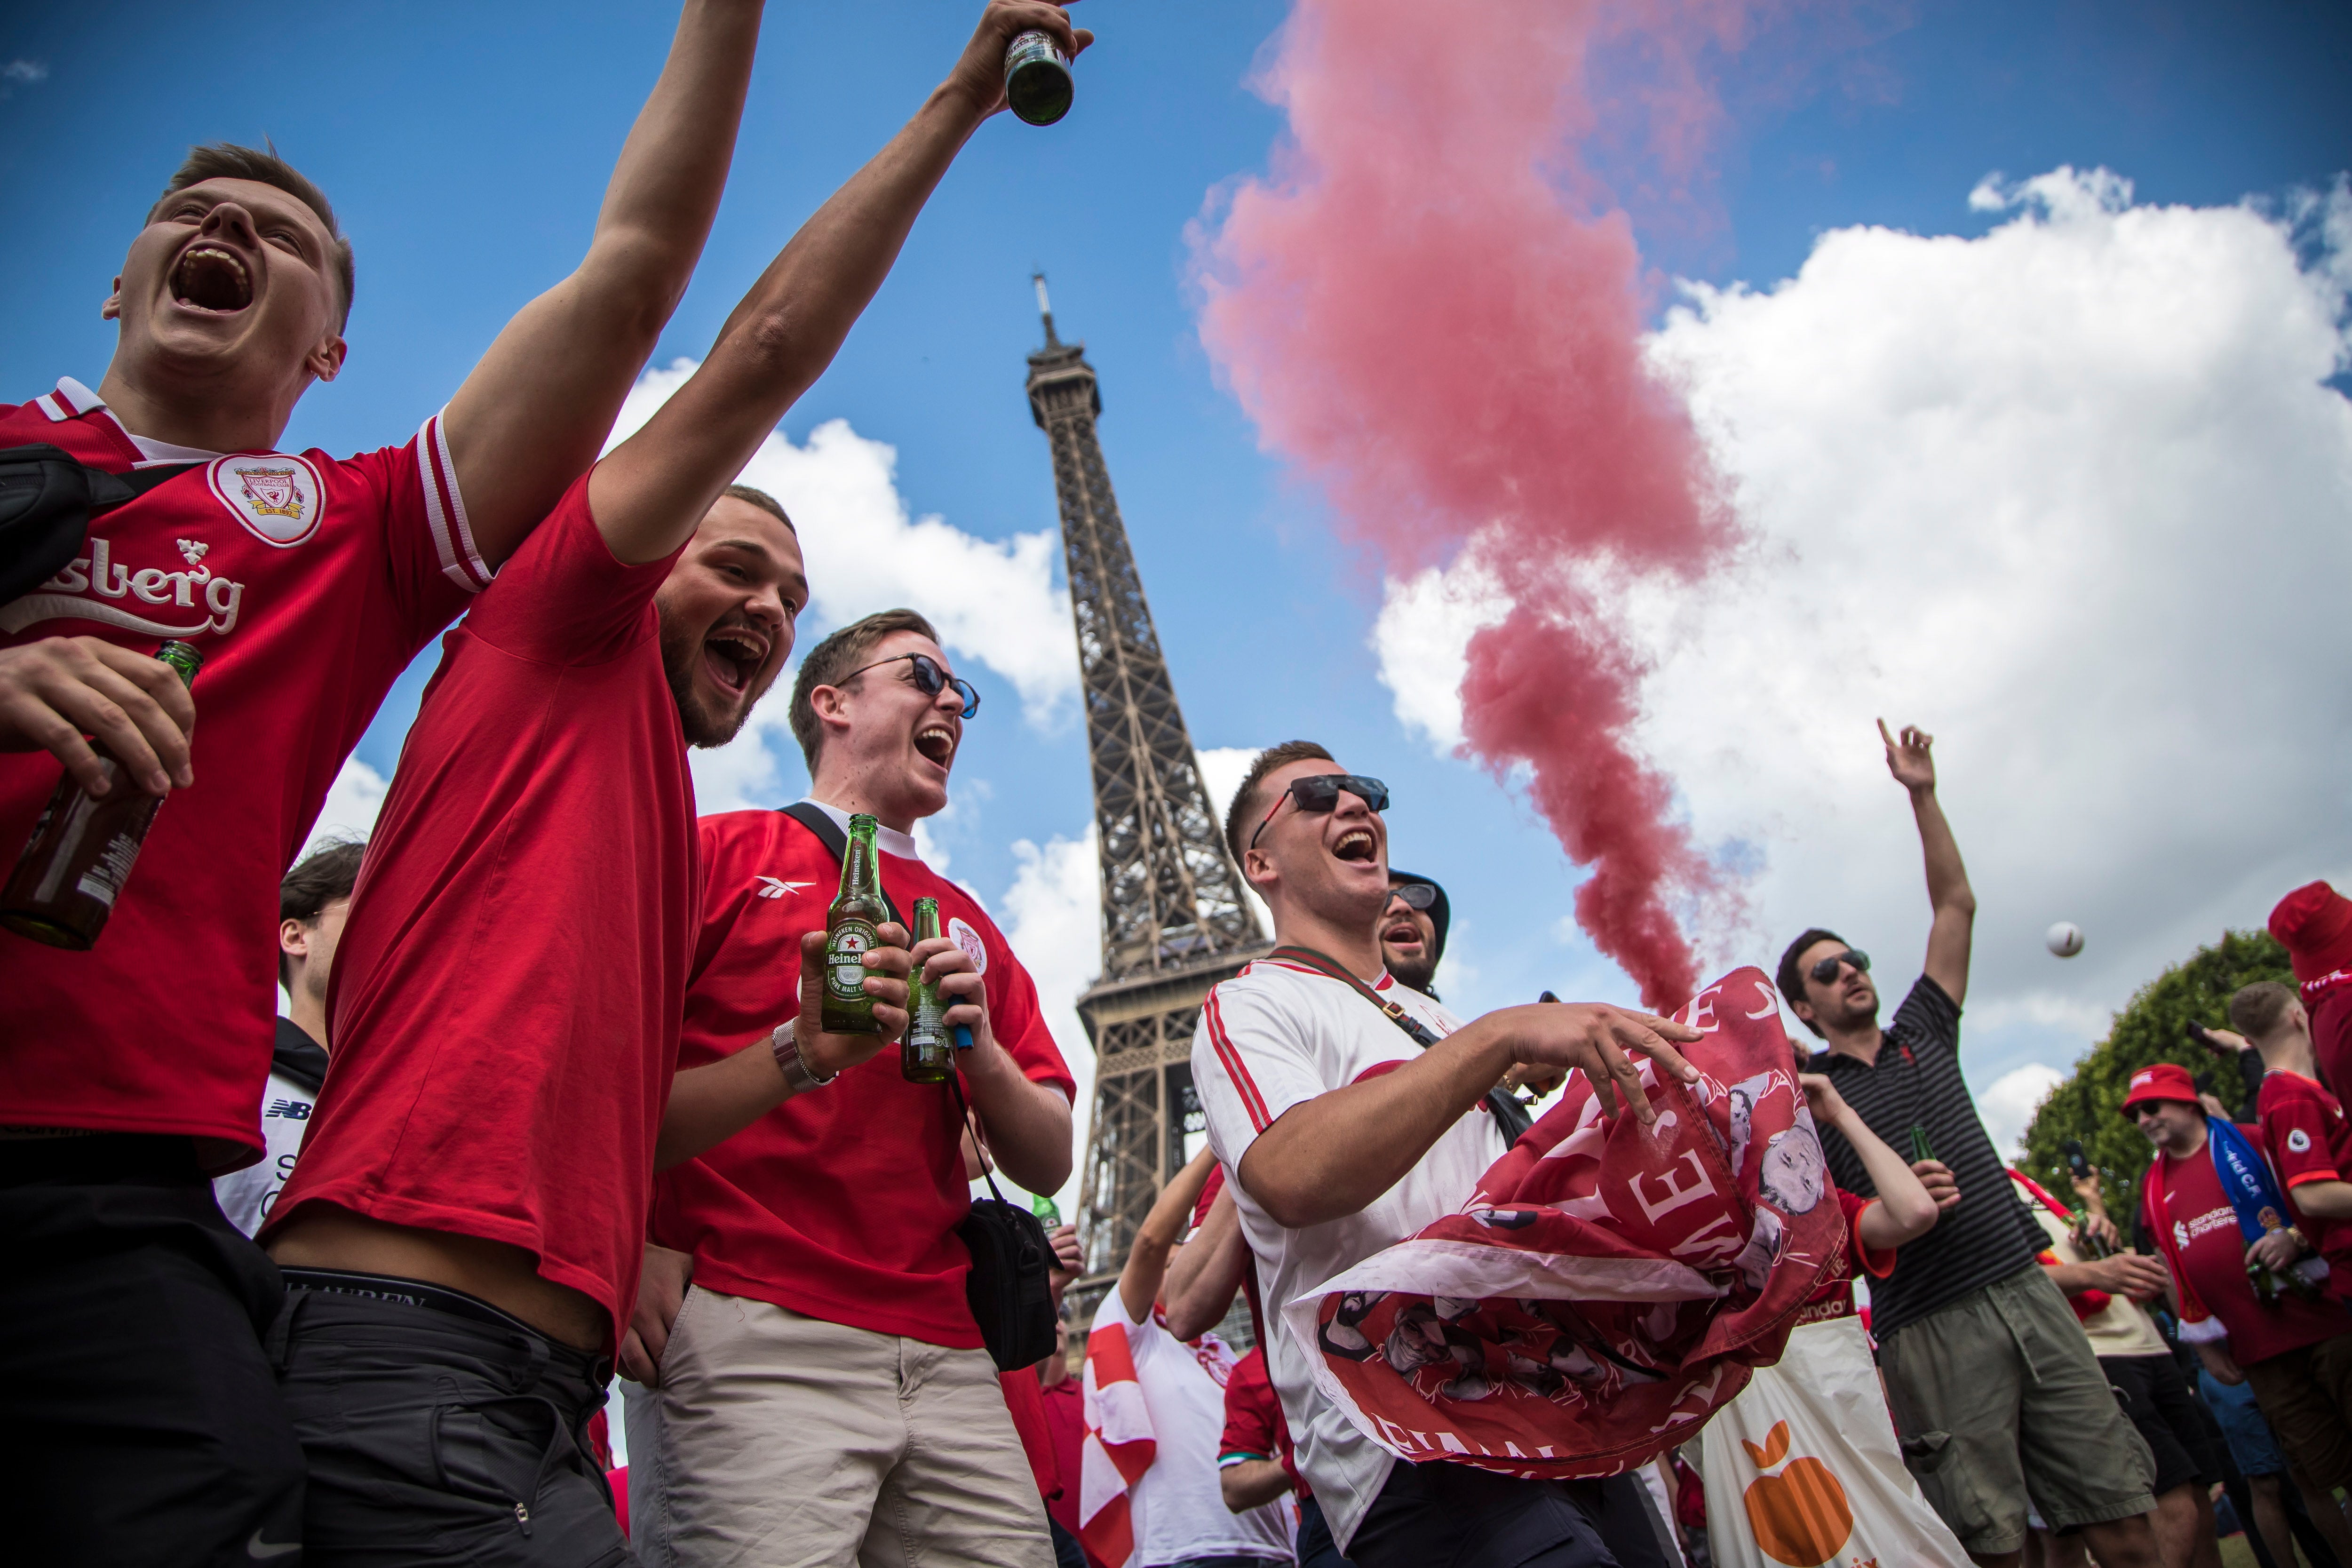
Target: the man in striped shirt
(1996, 1394)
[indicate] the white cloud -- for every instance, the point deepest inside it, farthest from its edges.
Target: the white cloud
(353, 802)
(2074, 496)
(2007, 1106)
(760, 767)
(1053, 918)
(1222, 769)
(19, 73)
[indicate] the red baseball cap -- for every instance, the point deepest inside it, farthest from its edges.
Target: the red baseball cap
(2314, 924)
(2165, 1080)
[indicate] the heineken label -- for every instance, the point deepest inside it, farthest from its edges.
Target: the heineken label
(844, 960)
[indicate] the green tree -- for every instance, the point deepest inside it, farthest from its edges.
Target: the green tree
(2153, 1027)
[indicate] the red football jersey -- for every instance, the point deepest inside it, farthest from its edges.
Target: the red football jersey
(2308, 1141)
(506, 995)
(1255, 1427)
(2213, 1254)
(309, 583)
(840, 1203)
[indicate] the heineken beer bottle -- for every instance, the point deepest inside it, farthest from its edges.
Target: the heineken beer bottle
(1048, 1211)
(927, 1055)
(83, 848)
(1037, 85)
(850, 933)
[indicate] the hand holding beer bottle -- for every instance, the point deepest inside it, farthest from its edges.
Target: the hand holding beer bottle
(854, 993)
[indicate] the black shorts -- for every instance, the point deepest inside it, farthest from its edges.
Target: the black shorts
(138, 1422)
(2155, 1396)
(1440, 1515)
(435, 1435)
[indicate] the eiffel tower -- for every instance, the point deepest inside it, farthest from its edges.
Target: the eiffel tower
(1174, 920)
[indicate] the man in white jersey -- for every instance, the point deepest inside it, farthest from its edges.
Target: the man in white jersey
(139, 1419)
(1351, 1112)
(313, 901)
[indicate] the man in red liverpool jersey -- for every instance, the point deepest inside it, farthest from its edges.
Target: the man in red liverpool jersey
(824, 1381)
(462, 1237)
(138, 1416)
(2295, 1352)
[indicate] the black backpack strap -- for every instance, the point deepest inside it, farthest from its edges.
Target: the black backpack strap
(48, 497)
(810, 816)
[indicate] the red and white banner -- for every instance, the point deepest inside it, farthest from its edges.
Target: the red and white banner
(1608, 1286)
(1119, 1444)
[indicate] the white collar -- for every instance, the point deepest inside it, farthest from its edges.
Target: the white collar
(72, 399)
(889, 840)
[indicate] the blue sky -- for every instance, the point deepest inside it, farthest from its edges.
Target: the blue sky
(465, 148)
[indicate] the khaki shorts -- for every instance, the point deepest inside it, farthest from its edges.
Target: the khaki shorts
(1997, 1399)
(2307, 1395)
(785, 1441)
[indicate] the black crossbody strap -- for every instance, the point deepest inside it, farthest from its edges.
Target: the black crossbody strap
(1508, 1112)
(1421, 1033)
(810, 816)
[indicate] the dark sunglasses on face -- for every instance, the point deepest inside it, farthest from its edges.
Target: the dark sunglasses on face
(1826, 970)
(1321, 792)
(1416, 895)
(929, 678)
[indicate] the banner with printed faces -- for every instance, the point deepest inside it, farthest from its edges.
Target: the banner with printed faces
(1608, 1286)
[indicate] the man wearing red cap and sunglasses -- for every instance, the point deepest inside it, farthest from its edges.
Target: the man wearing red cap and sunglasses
(2209, 1192)
(1996, 1394)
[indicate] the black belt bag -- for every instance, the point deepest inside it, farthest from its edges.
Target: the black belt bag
(1009, 1292)
(48, 497)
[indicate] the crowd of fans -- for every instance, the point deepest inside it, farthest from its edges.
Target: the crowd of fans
(555, 1093)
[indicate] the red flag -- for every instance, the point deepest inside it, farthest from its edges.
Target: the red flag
(1608, 1286)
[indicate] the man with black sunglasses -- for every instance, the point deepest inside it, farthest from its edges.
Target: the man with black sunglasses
(1353, 1110)
(822, 1383)
(1996, 1394)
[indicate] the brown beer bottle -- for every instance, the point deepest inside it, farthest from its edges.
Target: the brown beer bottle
(83, 848)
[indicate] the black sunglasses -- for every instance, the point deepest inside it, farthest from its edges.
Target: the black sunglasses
(929, 678)
(1826, 970)
(1321, 792)
(1416, 895)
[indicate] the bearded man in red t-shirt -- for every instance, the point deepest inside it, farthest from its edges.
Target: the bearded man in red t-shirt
(824, 1381)
(139, 1421)
(461, 1239)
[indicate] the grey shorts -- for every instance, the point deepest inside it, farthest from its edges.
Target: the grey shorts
(432, 1437)
(1998, 1399)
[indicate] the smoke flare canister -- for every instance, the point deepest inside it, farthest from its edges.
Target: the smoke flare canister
(1037, 85)
(82, 849)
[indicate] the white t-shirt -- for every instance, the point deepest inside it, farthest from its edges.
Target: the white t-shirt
(1270, 1037)
(1177, 1507)
(246, 1196)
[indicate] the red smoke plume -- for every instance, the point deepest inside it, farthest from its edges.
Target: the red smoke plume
(1427, 309)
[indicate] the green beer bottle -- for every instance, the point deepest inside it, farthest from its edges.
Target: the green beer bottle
(850, 933)
(1920, 1148)
(927, 1055)
(1037, 86)
(81, 851)
(1048, 1211)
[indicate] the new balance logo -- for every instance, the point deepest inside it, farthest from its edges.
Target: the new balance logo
(772, 887)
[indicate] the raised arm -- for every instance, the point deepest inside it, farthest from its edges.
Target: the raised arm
(1202, 1280)
(1903, 1210)
(1332, 1155)
(650, 492)
(1911, 758)
(1156, 1238)
(531, 417)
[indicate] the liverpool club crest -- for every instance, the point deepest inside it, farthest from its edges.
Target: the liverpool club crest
(276, 495)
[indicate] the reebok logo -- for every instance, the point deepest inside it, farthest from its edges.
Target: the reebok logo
(773, 887)
(81, 591)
